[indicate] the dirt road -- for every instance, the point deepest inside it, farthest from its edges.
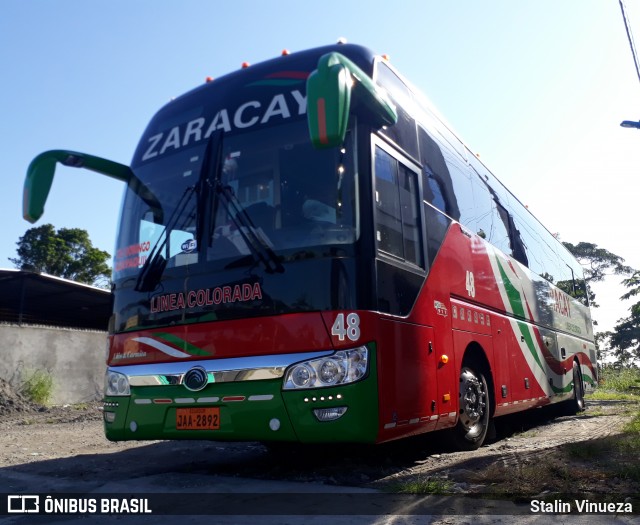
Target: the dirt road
(30, 441)
(64, 449)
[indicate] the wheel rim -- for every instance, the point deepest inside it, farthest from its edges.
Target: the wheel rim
(473, 402)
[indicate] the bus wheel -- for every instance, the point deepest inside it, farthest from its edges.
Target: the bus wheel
(474, 415)
(575, 405)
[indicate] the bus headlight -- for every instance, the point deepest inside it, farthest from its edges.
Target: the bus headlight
(345, 366)
(116, 384)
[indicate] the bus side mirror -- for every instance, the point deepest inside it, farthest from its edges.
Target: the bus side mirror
(42, 169)
(329, 92)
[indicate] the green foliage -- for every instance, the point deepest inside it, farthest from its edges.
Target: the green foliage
(630, 445)
(423, 486)
(37, 386)
(633, 283)
(66, 253)
(633, 426)
(588, 450)
(610, 395)
(619, 380)
(612, 451)
(625, 339)
(598, 263)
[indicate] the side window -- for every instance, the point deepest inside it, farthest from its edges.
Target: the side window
(492, 218)
(462, 189)
(483, 216)
(388, 220)
(433, 190)
(501, 237)
(436, 222)
(397, 210)
(403, 132)
(410, 212)
(438, 190)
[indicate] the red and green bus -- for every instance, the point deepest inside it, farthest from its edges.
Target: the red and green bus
(307, 253)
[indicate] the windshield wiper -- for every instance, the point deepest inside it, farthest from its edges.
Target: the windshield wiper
(252, 238)
(257, 245)
(154, 266)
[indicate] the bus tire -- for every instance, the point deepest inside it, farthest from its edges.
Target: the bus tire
(474, 413)
(576, 404)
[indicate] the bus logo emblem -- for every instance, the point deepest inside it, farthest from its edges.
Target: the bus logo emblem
(441, 309)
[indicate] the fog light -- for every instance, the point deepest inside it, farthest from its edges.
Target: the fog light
(109, 417)
(329, 414)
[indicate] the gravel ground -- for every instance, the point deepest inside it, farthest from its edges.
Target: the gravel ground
(532, 454)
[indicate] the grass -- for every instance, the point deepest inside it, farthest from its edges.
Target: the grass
(622, 384)
(37, 386)
(633, 427)
(607, 464)
(605, 467)
(589, 450)
(615, 455)
(621, 380)
(606, 395)
(423, 486)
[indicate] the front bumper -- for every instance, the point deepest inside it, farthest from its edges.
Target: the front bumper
(252, 405)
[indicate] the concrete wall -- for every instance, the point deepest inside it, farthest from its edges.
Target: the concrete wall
(75, 358)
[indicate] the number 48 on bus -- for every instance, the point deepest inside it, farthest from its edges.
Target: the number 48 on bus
(351, 329)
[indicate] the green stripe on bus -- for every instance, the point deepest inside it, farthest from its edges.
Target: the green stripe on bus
(181, 344)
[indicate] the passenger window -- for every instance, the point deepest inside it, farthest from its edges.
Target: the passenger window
(433, 190)
(397, 211)
(388, 222)
(403, 132)
(501, 237)
(462, 189)
(410, 213)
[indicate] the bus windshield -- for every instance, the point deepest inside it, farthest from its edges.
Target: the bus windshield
(267, 190)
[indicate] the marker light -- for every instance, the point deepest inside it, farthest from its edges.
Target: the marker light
(208, 79)
(245, 65)
(285, 52)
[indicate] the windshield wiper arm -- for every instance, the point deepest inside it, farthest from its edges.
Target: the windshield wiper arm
(154, 266)
(258, 247)
(255, 242)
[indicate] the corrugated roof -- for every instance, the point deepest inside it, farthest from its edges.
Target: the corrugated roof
(33, 298)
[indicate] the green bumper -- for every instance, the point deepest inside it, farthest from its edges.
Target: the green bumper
(249, 411)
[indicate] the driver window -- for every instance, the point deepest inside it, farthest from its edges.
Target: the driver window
(397, 210)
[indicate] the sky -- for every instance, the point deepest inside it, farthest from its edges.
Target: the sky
(537, 88)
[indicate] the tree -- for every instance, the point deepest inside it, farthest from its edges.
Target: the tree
(66, 253)
(625, 339)
(598, 263)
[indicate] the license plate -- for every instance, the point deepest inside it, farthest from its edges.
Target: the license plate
(198, 418)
